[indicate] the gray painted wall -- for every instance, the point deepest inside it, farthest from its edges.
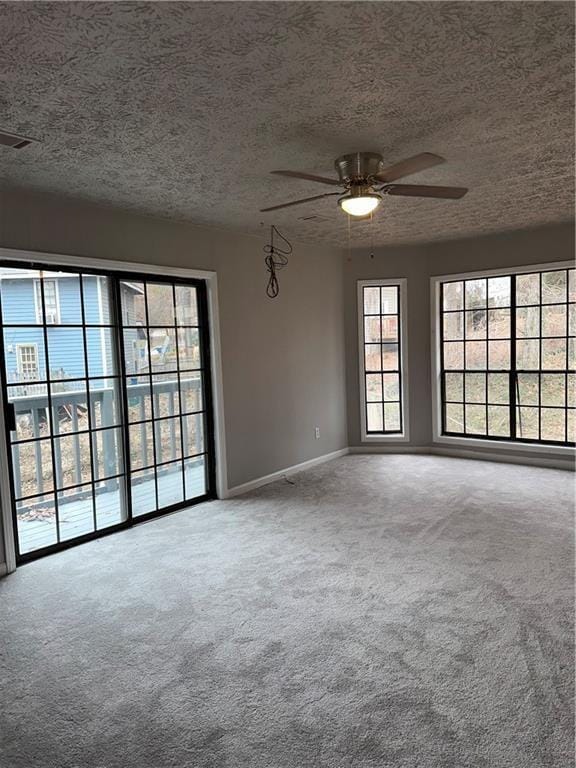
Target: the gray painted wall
(418, 264)
(292, 363)
(283, 359)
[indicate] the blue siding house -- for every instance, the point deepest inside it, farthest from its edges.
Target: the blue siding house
(24, 347)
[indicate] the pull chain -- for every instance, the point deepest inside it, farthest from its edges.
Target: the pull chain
(371, 235)
(349, 250)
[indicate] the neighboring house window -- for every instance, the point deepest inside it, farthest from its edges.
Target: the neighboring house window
(382, 337)
(507, 356)
(51, 304)
(27, 361)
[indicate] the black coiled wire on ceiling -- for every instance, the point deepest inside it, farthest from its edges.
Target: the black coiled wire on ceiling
(276, 258)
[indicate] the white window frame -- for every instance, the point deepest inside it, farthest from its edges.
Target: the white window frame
(37, 302)
(19, 348)
(479, 442)
(404, 436)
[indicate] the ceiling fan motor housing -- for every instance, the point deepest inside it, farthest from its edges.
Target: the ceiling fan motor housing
(358, 167)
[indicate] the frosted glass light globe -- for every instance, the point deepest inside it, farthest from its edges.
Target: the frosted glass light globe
(361, 205)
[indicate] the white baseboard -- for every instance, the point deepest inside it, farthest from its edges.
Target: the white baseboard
(388, 449)
(422, 450)
(470, 453)
(260, 481)
(556, 462)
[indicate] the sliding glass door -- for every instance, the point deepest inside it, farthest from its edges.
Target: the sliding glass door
(107, 401)
(165, 371)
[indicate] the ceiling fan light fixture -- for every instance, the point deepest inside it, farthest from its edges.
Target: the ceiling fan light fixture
(360, 205)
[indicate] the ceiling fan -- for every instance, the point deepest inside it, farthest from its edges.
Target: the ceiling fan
(365, 180)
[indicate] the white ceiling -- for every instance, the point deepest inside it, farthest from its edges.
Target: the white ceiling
(182, 109)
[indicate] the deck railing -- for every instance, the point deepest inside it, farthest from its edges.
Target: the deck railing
(71, 406)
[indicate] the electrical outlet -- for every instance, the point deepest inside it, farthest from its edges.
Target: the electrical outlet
(317, 433)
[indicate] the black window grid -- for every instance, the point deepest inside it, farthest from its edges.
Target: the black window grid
(178, 371)
(381, 371)
(513, 372)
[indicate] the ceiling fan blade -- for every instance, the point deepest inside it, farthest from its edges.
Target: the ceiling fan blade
(420, 190)
(307, 176)
(409, 166)
(297, 202)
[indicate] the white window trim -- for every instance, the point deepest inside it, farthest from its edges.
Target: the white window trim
(23, 345)
(39, 317)
(404, 436)
(478, 442)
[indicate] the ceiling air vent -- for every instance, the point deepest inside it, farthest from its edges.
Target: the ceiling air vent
(14, 141)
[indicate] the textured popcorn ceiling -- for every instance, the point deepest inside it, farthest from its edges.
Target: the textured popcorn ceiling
(182, 109)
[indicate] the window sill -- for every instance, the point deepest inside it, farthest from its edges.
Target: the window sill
(401, 437)
(508, 446)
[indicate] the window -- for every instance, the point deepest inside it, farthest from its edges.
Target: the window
(507, 356)
(381, 313)
(27, 361)
(51, 304)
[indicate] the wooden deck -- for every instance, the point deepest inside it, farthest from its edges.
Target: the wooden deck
(77, 516)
